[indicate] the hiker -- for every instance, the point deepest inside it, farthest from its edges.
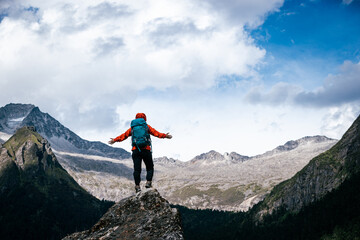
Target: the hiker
(141, 147)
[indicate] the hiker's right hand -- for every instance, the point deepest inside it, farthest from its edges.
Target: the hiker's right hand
(168, 136)
(111, 142)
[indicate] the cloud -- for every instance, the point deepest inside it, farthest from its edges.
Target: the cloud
(347, 2)
(251, 13)
(281, 93)
(65, 55)
(107, 46)
(339, 119)
(336, 90)
(165, 33)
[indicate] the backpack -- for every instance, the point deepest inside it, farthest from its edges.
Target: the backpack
(140, 136)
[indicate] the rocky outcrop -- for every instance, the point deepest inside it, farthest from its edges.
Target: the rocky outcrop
(145, 215)
(30, 152)
(323, 174)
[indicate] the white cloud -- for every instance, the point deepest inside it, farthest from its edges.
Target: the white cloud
(86, 55)
(339, 119)
(347, 2)
(95, 64)
(280, 93)
(251, 13)
(338, 89)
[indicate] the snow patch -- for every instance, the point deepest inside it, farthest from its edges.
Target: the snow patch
(15, 122)
(4, 136)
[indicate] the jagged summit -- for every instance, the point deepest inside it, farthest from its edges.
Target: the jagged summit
(213, 157)
(15, 116)
(168, 161)
(145, 215)
(11, 115)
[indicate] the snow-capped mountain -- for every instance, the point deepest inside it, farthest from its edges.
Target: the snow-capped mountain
(14, 116)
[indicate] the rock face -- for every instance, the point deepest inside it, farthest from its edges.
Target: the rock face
(14, 116)
(323, 174)
(144, 216)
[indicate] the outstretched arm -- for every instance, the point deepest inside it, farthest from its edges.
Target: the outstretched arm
(155, 133)
(120, 138)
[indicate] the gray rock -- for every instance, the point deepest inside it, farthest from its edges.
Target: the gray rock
(145, 215)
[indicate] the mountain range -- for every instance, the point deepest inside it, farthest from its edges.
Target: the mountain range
(212, 181)
(304, 189)
(228, 181)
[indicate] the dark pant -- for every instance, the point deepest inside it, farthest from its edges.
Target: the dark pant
(137, 157)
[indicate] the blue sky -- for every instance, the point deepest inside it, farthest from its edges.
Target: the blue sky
(318, 35)
(243, 76)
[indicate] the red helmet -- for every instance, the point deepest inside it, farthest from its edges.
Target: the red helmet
(141, 115)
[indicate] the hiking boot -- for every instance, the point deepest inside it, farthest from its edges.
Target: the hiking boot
(148, 184)
(137, 189)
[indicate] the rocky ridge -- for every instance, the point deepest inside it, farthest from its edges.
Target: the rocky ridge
(215, 158)
(145, 215)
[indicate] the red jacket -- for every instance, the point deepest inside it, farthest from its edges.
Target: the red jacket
(152, 131)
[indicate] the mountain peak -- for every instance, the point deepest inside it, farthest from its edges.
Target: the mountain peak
(214, 157)
(145, 215)
(11, 116)
(16, 108)
(211, 156)
(27, 148)
(293, 144)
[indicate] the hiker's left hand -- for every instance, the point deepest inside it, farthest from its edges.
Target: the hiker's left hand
(111, 142)
(168, 136)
